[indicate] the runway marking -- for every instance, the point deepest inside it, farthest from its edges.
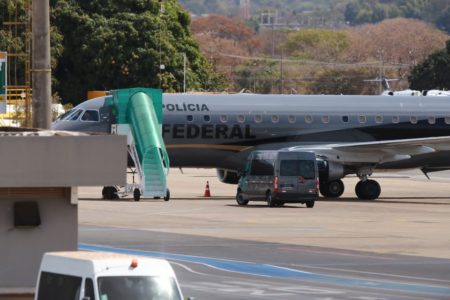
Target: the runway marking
(188, 269)
(279, 272)
(292, 249)
(370, 273)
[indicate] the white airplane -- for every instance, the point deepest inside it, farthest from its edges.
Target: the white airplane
(349, 134)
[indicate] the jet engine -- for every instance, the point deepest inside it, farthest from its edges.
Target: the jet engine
(329, 171)
(227, 176)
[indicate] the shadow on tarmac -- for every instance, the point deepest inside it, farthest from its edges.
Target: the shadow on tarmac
(393, 200)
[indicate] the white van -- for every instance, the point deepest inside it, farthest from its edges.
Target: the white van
(82, 275)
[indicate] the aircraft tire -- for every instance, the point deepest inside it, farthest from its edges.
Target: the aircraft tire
(240, 198)
(368, 190)
(136, 194)
(332, 189)
(270, 201)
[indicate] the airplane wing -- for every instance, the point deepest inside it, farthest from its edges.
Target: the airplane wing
(379, 151)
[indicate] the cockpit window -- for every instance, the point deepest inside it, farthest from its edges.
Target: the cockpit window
(73, 115)
(90, 116)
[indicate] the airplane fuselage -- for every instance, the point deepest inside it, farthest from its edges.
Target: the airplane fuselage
(201, 130)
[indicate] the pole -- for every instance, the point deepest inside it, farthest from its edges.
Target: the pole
(41, 68)
(184, 72)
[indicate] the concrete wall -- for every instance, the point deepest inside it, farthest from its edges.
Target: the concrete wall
(62, 161)
(46, 167)
(22, 248)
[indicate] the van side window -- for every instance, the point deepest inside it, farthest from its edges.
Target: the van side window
(303, 168)
(89, 289)
(58, 286)
(261, 167)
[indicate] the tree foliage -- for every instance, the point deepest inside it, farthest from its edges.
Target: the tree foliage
(112, 44)
(435, 11)
(432, 73)
(318, 44)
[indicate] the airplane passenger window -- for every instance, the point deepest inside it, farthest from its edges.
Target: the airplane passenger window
(378, 119)
(241, 118)
(395, 119)
(325, 119)
(447, 120)
(308, 119)
(275, 119)
(345, 119)
(258, 118)
(413, 119)
(207, 118)
(431, 120)
(90, 116)
(292, 119)
(190, 118)
(362, 119)
(223, 118)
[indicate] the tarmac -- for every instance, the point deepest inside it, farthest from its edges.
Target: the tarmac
(412, 216)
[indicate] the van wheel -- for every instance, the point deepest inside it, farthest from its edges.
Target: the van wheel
(270, 201)
(240, 198)
(310, 204)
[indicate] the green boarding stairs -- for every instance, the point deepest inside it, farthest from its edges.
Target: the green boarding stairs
(138, 114)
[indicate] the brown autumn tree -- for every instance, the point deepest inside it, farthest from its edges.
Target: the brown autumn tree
(394, 44)
(226, 42)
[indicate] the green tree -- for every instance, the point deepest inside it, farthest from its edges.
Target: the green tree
(318, 44)
(111, 44)
(433, 72)
(257, 76)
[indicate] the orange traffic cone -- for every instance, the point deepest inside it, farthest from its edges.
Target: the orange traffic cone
(207, 192)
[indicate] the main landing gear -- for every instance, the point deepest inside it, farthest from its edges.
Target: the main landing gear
(332, 189)
(365, 189)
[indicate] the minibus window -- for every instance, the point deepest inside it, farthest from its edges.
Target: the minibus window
(261, 167)
(54, 286)
(304, 168)
(137, 288)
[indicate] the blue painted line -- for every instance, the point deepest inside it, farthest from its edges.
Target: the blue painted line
(279, 272)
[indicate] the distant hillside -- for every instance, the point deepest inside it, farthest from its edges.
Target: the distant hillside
(324, 13)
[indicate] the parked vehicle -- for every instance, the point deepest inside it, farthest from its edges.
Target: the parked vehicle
(82, 275)
(279, 177)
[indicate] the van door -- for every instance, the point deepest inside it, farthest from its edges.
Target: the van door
(307, 176)
(297, 176)
(262, 176)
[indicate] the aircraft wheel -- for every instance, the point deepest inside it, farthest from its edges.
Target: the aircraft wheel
(240, 198)
(368, 190)
(109, 193)
(332, 189)
(270, 201)
(167, 196)
(137, 194)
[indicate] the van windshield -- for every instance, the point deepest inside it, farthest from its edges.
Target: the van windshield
(304, 168)
(137, 288)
